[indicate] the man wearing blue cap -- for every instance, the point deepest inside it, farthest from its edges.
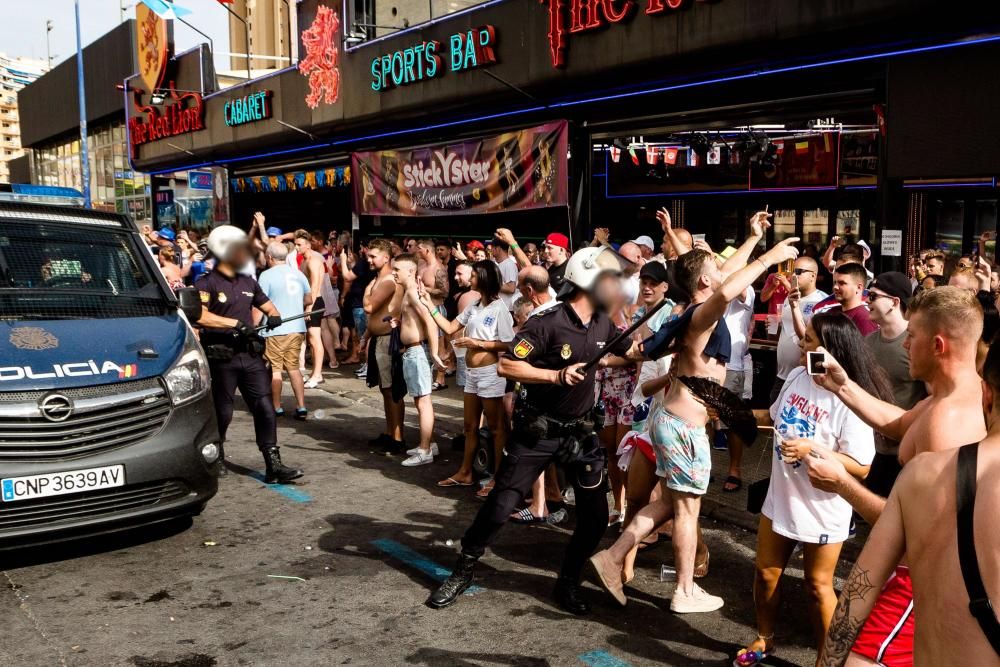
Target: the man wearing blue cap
(167, 237)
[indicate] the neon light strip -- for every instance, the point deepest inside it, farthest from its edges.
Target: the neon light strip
(955, 184)
(601, 98)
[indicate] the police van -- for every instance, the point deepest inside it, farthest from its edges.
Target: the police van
(106, 418)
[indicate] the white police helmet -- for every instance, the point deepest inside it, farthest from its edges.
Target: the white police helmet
(224, 239)
(585, 266)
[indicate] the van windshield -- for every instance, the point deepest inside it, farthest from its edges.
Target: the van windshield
(59, 271)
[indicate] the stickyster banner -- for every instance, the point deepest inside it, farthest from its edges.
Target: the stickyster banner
(514, 171)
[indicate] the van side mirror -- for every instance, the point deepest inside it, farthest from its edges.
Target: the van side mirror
(190, 303)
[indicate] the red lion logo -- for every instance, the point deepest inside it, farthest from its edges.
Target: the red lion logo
(320, 63)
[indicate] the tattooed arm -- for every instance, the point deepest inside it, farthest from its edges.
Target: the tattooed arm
(883, 551)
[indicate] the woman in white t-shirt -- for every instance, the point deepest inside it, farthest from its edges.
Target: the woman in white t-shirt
(807, 416)
(489, 328)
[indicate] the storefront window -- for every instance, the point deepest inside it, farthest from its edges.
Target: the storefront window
(784, 224)
(815, 226)
(986, 221)
(848, 224)
(950, 221)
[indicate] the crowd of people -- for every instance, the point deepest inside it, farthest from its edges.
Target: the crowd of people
(903, 367)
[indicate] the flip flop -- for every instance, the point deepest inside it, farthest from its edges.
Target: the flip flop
(701, 569)
(732, 484)
(526, 517)
(484, 492)
(451, 482)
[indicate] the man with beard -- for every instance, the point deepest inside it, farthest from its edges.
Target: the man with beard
(553, 422)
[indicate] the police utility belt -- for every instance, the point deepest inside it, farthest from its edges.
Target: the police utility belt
(578, 441)
(224, 345)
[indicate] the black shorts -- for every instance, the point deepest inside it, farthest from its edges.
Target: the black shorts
(316, 320)
(347, 318)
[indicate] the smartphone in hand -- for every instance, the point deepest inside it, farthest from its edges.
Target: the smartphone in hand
(815, 363)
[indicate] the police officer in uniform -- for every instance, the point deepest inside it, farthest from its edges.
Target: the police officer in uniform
(233, 348)
(553, 421)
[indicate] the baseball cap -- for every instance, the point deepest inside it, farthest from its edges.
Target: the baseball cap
(167, 233)
(645, 241)
(274, 231)
(894, 284)
(558, 240)
(475, 245)
(655, 271)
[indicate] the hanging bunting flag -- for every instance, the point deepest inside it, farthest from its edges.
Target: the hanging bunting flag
(670, 155)
(633, 155)
(616, 154)
(692, 158)
(714, 155)
(652, 154)
(801, 147)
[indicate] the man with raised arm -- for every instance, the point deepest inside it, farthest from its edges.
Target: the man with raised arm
(700, 339)
(948, 633)
(942, 338)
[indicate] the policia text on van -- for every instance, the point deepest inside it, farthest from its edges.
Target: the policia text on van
(106, 417)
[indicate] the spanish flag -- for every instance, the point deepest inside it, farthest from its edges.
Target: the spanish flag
(128, 371)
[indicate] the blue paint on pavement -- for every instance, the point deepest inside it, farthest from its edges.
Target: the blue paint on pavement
(602, 659)
(286, 490)
(419, 562)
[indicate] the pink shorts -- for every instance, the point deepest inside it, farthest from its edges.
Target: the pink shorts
(887, 636)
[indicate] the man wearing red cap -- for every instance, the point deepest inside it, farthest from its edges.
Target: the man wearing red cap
(555, 252)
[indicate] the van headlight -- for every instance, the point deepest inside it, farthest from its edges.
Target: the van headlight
(188, 379)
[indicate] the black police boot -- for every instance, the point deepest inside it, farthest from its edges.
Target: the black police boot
(278, 473)
(567, 594)
(454, 585)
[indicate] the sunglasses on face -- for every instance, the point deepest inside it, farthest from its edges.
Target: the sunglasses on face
(799, 272)
(875, 296)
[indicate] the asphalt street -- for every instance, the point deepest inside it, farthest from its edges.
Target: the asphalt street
(336, 570)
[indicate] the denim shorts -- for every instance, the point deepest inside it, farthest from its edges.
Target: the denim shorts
(460, 370)
(416, 372)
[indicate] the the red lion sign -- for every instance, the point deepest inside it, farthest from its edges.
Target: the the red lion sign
(322, 56)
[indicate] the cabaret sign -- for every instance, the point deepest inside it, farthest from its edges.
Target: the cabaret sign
(465, 50)
(591, 15)
(248, 109)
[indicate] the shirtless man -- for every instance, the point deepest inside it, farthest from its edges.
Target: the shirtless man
(700, 339)
(415, 327)
(434, 277)
(378, 296)
(948, 634)
(315, 271)
(944, 329)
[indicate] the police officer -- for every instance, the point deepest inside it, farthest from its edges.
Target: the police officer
(553, 421)
(234, 349)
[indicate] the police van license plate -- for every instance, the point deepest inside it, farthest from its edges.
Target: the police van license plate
(61, 483)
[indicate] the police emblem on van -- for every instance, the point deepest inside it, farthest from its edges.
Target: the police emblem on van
(32, 338)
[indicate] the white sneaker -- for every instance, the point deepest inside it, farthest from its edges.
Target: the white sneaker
(312, 384)
(419, 459)
(417, 450)
(362, 370)
(698, 602)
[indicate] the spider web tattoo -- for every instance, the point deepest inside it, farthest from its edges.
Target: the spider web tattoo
(844, 627)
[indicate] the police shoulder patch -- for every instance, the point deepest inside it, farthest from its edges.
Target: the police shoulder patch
(523, 349)
(205, 296)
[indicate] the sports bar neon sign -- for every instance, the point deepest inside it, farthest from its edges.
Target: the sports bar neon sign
(590, 15)
(467, 50)
(248, 109)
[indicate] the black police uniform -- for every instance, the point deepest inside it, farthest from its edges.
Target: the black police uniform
(549, 420)
(234, 360)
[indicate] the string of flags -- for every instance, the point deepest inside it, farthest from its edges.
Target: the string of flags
(332, 177)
